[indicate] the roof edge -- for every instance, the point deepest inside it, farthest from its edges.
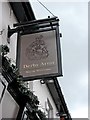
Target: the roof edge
(22, 10)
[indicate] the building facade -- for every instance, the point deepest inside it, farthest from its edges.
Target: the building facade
(49, 93)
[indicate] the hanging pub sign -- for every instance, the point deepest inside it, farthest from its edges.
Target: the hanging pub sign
(39, 53)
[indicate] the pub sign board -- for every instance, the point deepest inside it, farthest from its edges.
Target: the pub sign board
(39, 54)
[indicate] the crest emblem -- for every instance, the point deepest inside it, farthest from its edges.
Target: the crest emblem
(37, 50)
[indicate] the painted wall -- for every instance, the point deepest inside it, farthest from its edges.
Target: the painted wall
(9, 107)
(41, 91)
(0, 22)
(8, 18)
(0, 44)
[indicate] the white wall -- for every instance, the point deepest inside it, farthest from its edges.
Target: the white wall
(0, 21)
(8, 107)
(8, 18)
(43, 93)
(0, 44)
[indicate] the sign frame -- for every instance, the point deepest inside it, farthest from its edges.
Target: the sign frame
(59, 61)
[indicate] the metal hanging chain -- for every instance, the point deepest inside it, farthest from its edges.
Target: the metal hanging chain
(46, 8)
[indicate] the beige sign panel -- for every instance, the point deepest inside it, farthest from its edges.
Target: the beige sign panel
(38, 55)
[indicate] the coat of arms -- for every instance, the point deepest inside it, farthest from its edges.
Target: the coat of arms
(37, 50)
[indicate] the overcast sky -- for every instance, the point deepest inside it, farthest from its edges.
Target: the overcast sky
(74, 43)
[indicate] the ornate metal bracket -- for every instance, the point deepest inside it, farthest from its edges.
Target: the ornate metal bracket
(35, 25)
(11, 32)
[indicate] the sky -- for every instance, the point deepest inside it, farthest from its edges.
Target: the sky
(74, 45)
